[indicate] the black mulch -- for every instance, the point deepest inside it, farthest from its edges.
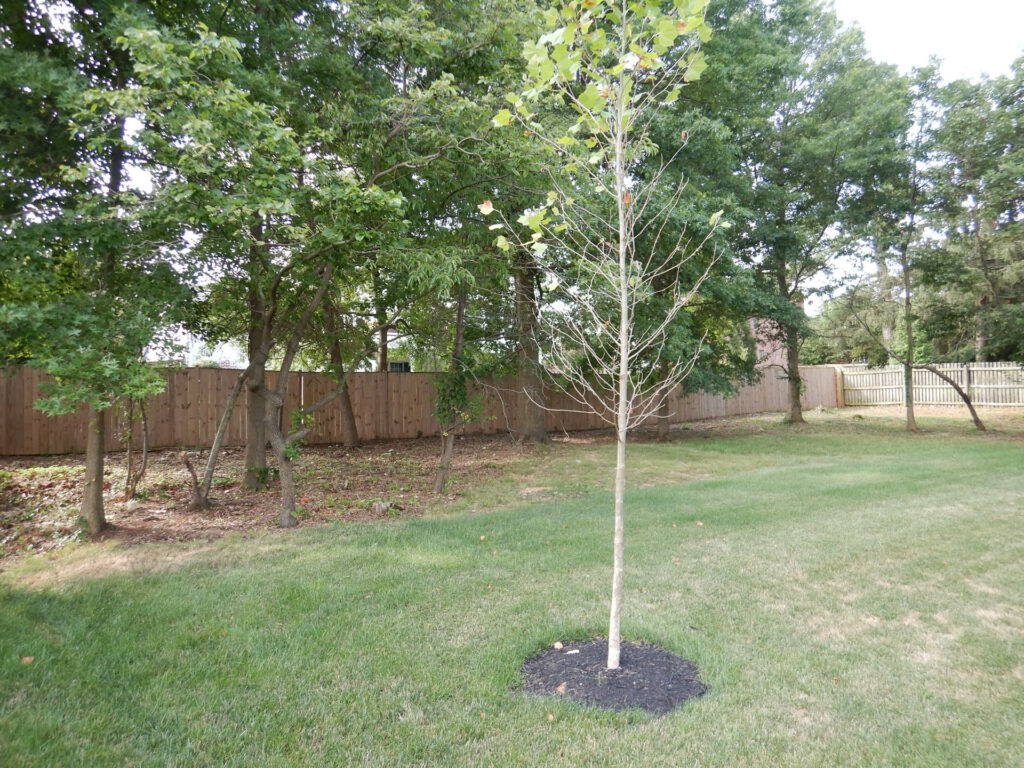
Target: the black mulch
(648, 677)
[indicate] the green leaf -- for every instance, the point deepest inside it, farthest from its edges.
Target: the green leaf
(591, 98)
(552, 37)
(668, 30)
(533, 219)
(503, 118)
(696, 68)
(560, 57)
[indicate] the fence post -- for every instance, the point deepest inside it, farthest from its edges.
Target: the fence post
(840, 384)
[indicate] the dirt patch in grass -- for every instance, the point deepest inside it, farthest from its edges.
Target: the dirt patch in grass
(101, 563)
(39, 496)
(648, 677)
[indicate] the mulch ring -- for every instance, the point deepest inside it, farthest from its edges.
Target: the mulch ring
(648, 677)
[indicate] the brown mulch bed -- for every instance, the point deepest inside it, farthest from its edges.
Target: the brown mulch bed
(39, 495)
(648, 677)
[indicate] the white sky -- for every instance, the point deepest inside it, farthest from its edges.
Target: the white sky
(971, 37)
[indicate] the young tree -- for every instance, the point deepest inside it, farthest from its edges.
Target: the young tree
(615, 64)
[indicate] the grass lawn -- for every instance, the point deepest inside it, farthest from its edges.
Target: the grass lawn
(853, 595)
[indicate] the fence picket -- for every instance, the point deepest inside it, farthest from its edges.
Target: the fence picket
(988, 384)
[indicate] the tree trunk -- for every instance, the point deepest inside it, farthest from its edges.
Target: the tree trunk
(908, 394)
(447, 451)
(275, 398)
(145, 448)
(201, 491)
(448, 430)
(349, 431)
(796, 413)
(256, 431)
(664, 411)
(255, 467)
(91, 509)
(622, 405)
(908, 364)
(381, 311)
(134, 477)
(959, 390)
(287, 473)
(129, 490)
(531, 411)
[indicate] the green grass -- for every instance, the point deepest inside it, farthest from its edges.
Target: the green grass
(854, 596)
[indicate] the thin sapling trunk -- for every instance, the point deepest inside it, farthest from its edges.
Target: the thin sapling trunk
(201, 490)
(664, 409)
(622, 400)
(531, 411)
(615, 65)
(908, 364)
(134, 476)
(453, 401)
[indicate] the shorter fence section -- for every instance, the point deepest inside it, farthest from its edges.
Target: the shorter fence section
(386, 406)
(998, 385)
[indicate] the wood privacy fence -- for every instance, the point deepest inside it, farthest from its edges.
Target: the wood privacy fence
(999, 385)
(386, 405)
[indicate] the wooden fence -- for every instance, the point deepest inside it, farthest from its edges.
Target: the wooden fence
(999, 385)
(386, 405)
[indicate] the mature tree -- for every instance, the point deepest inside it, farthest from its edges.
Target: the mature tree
(902, 200)
(615, 64)
(975, 276)
(88, 281)
(814, 122)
